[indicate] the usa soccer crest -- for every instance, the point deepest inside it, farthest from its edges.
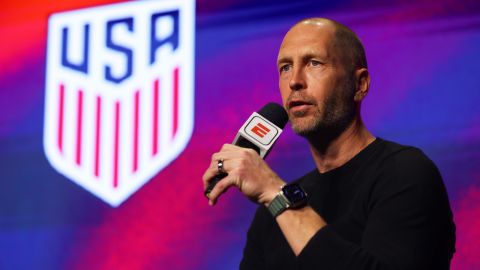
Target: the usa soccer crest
(119, 93)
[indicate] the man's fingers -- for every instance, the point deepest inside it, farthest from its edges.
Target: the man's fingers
(221, 187)
(230, 147)
(231, 157)
(212, 169)
(208, 175)
(228, 165)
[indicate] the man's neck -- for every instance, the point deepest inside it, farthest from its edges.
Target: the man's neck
(331, 153)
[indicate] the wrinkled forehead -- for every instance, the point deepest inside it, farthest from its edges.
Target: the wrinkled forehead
(305, 38)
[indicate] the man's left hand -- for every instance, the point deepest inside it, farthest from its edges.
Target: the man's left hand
(247, 171)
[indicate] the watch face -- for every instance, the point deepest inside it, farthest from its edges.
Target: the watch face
(295, 194)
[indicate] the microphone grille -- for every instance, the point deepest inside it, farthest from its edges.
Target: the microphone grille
(274, 113)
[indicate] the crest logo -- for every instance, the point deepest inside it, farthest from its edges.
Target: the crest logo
(119, 93)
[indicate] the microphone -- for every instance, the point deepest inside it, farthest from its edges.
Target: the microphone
(260, 132)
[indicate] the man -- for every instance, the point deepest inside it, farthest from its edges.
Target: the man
(369, 203)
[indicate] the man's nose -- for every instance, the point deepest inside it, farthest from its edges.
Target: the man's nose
(297, 81)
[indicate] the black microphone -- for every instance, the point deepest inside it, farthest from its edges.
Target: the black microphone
(259, 133)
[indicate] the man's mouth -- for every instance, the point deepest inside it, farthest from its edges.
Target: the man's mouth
(298, 105)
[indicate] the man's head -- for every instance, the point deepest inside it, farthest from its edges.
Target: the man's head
(323, 76)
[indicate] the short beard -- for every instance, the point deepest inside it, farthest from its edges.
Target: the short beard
(338, 113)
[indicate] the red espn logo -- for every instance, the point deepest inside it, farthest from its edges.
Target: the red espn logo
(260, 130)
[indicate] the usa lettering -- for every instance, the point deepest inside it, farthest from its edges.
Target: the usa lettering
(122, 42)
(119, 93)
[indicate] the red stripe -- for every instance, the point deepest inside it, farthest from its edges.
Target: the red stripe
(155, 117)
(97, 135)
(175, 102)
(135, 132)
(117, 142)
(79, 126)
(60, 117)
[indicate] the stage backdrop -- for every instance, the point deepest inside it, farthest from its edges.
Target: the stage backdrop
(106, 132)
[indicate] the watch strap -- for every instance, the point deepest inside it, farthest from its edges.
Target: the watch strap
(278, 205)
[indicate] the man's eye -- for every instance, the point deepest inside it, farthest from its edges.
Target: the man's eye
(315, 63)
(284, 68)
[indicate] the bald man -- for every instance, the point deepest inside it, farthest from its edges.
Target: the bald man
(368, 204)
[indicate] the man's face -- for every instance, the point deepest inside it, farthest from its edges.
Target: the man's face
(316, 88)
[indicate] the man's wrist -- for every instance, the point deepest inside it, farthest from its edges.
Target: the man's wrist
(271, 194)
(291, 196)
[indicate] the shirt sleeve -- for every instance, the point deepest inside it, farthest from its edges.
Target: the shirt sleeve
(253, 257)
(409, 224)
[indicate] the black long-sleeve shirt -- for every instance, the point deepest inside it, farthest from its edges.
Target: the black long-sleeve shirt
(387, 208)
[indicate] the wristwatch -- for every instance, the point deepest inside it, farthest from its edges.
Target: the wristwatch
(291, 196)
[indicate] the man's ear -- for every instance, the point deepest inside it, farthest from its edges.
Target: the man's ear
(362, 80)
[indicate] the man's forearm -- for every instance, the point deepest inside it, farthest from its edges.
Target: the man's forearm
(299, 226)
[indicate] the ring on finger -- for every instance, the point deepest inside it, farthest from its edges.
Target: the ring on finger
(220, 166)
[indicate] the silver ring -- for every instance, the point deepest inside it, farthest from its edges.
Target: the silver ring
(220, 166)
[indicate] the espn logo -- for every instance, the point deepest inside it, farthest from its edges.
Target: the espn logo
(261, 130)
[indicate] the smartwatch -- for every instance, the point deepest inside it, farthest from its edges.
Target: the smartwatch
(291, 196)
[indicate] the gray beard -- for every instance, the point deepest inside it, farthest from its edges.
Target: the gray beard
(338, 113)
